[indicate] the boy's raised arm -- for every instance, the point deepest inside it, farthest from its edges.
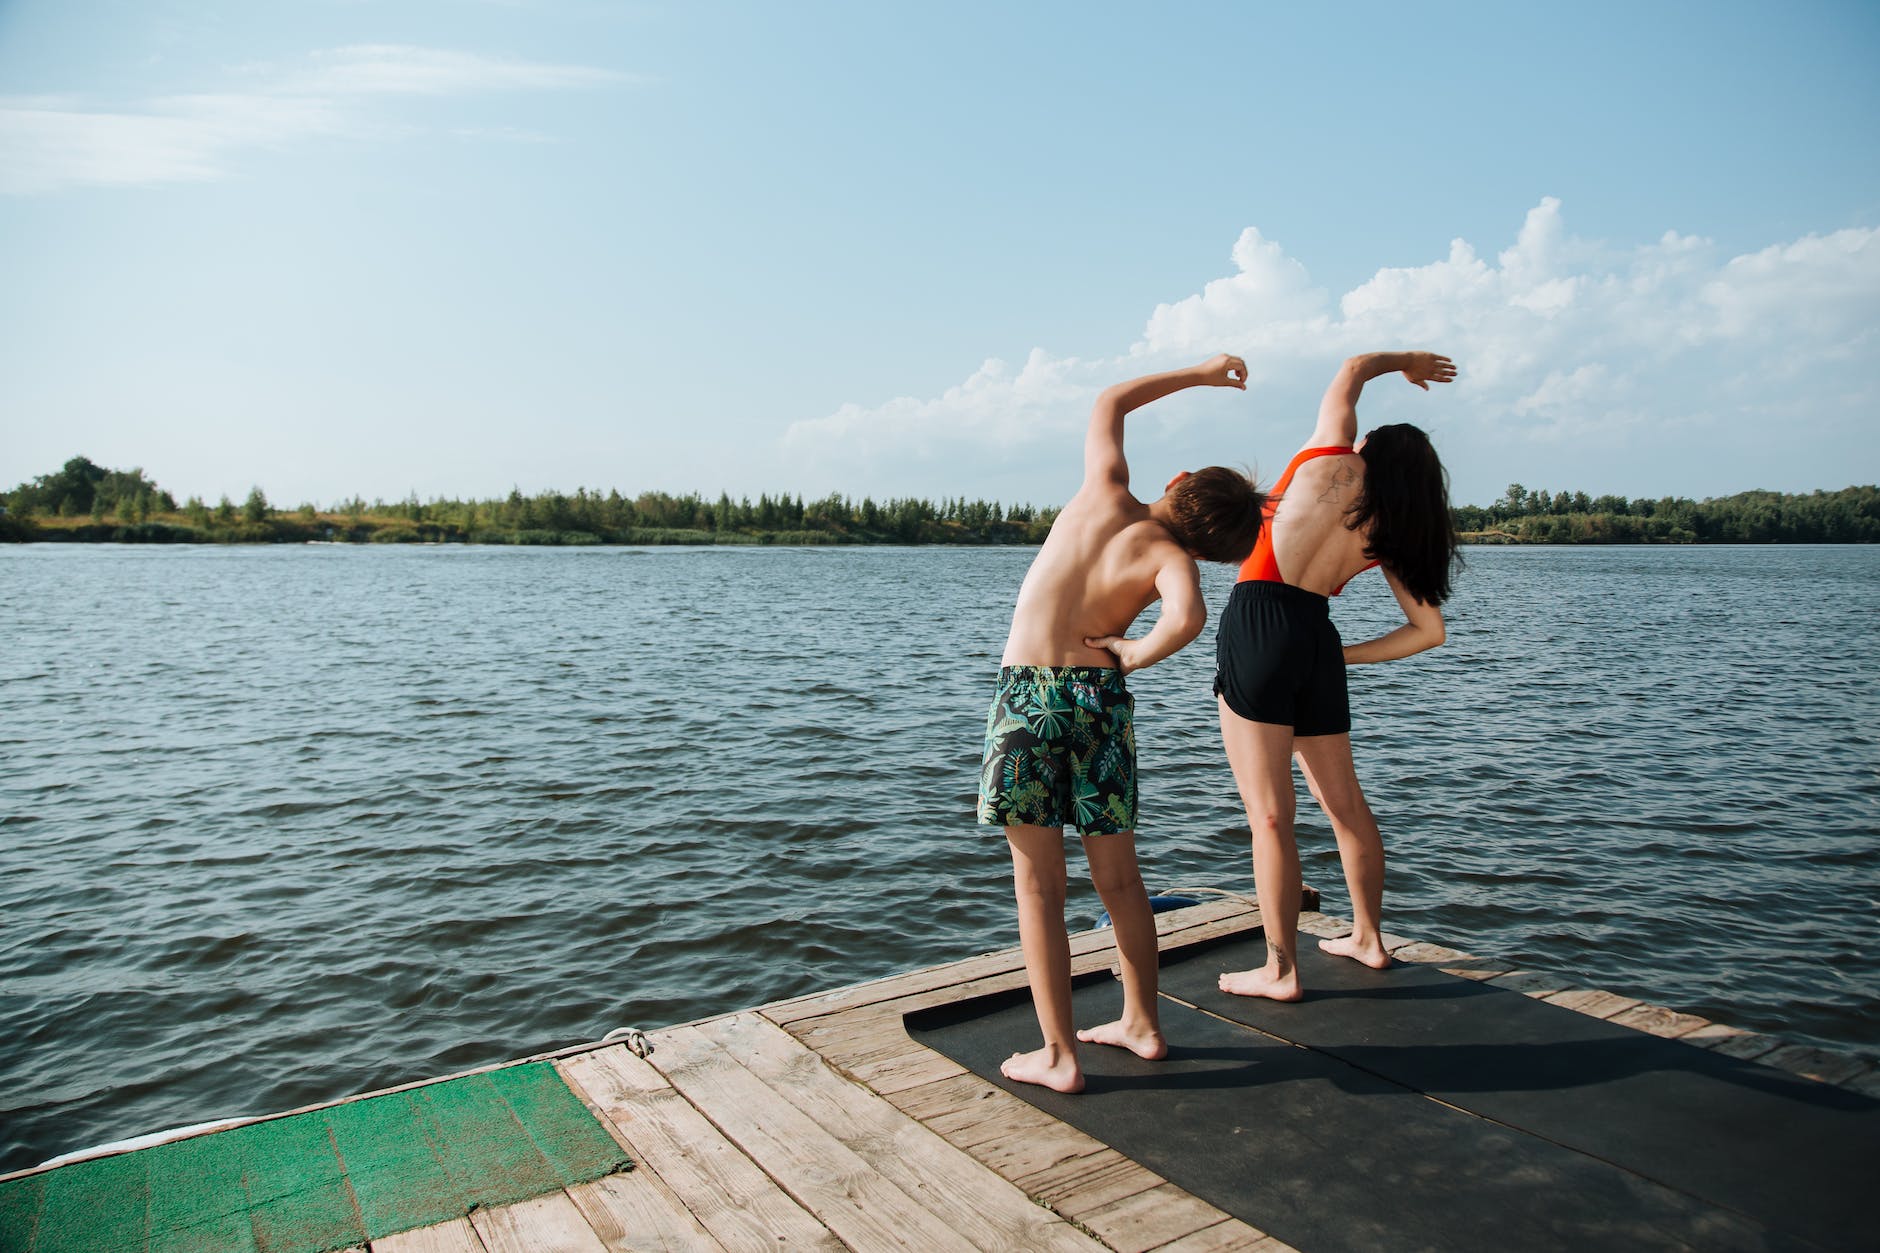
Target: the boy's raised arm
(1103, 443)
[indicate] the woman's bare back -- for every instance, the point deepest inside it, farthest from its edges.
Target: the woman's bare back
(1312, 546)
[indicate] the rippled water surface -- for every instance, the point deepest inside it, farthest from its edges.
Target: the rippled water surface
(282, 824)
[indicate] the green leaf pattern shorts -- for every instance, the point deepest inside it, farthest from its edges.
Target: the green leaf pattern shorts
(1060, 749)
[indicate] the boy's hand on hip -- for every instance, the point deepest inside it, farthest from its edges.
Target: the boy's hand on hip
(1128, 652)
(1225, 370)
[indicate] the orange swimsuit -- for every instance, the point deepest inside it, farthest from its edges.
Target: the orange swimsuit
(1260, 564)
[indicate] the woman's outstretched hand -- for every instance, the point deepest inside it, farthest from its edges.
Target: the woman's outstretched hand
(1426, 368)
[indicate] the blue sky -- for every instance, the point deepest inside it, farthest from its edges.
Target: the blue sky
(455, 246)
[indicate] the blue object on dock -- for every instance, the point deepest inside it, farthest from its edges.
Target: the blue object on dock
(1160, 904)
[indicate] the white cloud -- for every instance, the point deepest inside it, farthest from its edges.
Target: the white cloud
(1270, 298)
(995, 407)
(1559, 339)
(47, 143)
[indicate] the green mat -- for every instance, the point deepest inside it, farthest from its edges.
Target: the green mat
(321, 1180)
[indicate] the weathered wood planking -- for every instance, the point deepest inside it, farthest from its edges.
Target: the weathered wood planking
(546, 1224)
(726, 1192)
(988, 1211)
(455, 1236)
(636, 1210)
(860, 1033)
(843, 1190)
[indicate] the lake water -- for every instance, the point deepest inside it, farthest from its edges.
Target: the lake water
(278, 825)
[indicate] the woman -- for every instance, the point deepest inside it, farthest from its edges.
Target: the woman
(1340, 508)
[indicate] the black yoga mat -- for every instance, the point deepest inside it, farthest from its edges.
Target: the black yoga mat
(1797, 1156)
(1324, 1155)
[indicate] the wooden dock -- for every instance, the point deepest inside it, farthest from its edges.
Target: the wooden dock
(818, 1123)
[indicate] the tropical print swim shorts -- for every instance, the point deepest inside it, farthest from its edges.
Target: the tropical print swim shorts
(1060, 749)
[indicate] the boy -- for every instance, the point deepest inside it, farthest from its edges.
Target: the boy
(1060, 745)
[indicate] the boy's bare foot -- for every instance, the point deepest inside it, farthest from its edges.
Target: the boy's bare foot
(1266, 981)
(1145, 1042)
(1047, 1067)
(1372, 954)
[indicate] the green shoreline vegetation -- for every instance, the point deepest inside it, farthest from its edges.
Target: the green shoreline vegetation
(84, 502)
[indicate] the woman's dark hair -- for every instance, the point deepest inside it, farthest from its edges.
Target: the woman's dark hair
(1405, 506)
(1216, 513)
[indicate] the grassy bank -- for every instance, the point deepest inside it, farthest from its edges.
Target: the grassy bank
(340, 528)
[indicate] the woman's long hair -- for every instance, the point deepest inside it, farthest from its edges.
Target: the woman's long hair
(1404, 511)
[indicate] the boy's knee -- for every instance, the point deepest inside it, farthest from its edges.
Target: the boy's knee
(1111, 884)
(1047, 887)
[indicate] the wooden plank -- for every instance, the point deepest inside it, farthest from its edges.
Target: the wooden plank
(1329, 927)
(855, 1032)
(1533, 983)
(1039, 1159)
(986, 1121)
(1480, 969)
(1232, 1236)
(872, 1046)
(891, 1075)
(1658, 1021)
(1713, 1034)
(975, 1203)
(1820, 1065)
(1867, 1083)
(1056, 1165)
(637, 1211)
(1744, 1045)
(1079, 1185)
(1138, 1223)
(955, 1093)
(827, 1178)
(1592, 1002)
(455, 1236)
(726, 1192)
(546, 1224)
(1450, 961)
(1431, 954)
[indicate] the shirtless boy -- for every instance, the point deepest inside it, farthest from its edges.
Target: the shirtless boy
(1060, 743)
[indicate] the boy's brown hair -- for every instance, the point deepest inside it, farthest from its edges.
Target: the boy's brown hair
(1216, 514)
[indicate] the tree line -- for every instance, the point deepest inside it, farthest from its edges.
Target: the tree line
(85, 501)
(1848, 516)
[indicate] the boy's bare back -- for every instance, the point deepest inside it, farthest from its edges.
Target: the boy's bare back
(1097, 570)
(1109, 555)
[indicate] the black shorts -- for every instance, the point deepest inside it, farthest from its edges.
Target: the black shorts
(1278, 659)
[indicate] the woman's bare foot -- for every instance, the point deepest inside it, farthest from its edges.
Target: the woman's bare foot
(1266, 981)
(1144, 1042)
(1048, 1067)
(1372, 954)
